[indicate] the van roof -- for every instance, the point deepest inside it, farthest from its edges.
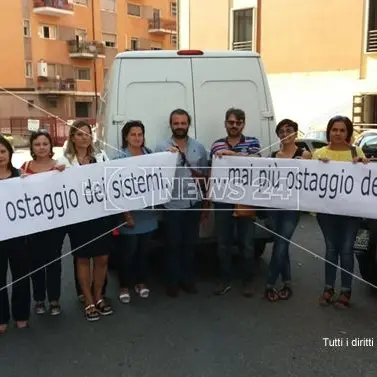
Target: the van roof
(174, 54)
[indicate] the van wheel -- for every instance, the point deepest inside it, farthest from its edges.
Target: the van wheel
(259, 247)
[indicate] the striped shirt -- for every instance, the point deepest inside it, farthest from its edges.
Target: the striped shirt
(247, 144)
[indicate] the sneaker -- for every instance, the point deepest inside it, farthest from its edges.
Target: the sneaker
(55, 309)
(222, 288)
(40, 308)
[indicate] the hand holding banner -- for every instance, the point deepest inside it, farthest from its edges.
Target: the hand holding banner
(53, 199)
(341, 188)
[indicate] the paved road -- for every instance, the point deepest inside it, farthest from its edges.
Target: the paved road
(203, 336)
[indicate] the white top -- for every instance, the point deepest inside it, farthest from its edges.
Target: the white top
(63, 160)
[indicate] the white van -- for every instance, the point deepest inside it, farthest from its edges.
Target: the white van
(148, 85)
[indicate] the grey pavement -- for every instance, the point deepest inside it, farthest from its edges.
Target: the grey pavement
(203, 335)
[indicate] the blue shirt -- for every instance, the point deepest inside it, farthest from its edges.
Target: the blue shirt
(185, 191)
(145, 219)
(247, 144)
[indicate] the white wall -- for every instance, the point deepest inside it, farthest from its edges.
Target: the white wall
(312, 98)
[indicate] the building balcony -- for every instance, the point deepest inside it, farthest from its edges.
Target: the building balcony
(52, 85)
(159, 26)
(372, 41)
(55, 8)
(242, 46)
(86, 49)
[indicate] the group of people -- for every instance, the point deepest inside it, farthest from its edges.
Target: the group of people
(38, 255)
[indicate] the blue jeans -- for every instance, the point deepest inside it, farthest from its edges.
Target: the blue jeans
(182, 236)
(283, 223)
(133, 260)
(340, 234)
(225, 225)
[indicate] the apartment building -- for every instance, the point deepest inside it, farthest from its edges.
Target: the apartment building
(56, 52)
(365, 99)
(312, 50)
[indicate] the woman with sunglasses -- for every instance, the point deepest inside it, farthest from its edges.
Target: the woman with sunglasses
(45, 247)
(283, 222)
(139, 226)
(13, 253)
(339, 231)
(89, 239)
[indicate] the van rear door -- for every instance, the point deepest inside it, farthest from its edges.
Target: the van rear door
(224, 82)
(150, 88)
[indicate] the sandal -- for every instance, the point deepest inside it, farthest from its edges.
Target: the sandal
(91, 313)
(40, 308)
(3, 329)
(22, 324)
(271, 294)
(343, 300)
(125, 297)
(327, 297)
(285, 293)
(142, 290)
(103, 307)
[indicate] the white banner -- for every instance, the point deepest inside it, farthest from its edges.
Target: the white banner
(341, 188)
(50, 200)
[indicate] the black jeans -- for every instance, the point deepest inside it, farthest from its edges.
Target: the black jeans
(133, 260)
(182, 236)
(225, 225)
(45, 250)
(14, 253)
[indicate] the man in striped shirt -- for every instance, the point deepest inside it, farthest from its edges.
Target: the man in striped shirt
(235, 144)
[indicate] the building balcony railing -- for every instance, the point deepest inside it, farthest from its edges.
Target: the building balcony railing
(55, 8)
(243, 46)
(52, 85)
(162, 26)
(372, 41)
(86, 49)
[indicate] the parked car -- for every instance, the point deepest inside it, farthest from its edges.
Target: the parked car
(320, 134)
(365, 246)
(310, 144)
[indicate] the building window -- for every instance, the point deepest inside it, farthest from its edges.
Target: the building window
(134, 10)
(173, 9)
(26, 28)
(108, 5)
(173, 39)
(81, 34)
(47, 32)
(134, 43)
(243, 30)
(82, 74)
(29, 70)
(372, 27)
(81, 2)
(110, 40)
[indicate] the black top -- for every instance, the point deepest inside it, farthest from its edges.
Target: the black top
(299, 152)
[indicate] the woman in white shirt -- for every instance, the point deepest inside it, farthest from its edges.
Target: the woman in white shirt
(89, 239)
